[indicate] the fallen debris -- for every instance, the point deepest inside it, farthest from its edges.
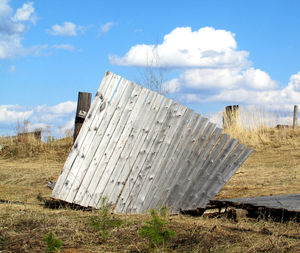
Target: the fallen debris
(51, 185)
(280, 208)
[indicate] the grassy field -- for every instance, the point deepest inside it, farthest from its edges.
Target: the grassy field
(27, 165)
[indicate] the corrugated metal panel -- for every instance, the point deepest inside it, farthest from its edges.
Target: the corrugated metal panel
(141, 150)
(289, 202)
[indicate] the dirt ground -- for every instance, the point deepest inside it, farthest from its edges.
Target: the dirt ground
(25, 221)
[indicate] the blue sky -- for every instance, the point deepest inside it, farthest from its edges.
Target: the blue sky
(213, 53)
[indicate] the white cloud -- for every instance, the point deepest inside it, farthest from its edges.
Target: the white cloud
(106, 28)
(211, 69)
(171, 86)
(67, 47)
(42, 116)
(294, 83)
(12, 113)
(12, 29)
(54, 113)
(62, 108)
(226, 78)
(67, 29)
(66, 129)
(183, 47)
(26, 13)
(10, 46)
(34, 126)
(279, 98)
(7, 25)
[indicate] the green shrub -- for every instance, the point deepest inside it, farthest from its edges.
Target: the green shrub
(157, 230)
(53, 244)
(104, 221)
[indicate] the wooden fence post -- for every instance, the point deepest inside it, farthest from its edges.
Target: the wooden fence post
(230, 116)
(83, 106)
(295, 116)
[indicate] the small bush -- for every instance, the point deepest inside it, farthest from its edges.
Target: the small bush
(104, 221)
(53, 244)
(157, 230)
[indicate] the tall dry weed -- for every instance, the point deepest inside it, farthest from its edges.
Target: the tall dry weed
(258, 128)
(29, 146)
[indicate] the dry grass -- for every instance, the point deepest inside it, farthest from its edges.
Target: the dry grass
(257, 128)
(29, 146)
(273, 168)
(23, 228)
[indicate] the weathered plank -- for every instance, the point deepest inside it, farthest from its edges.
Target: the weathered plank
(213, 168)
(166, 166)
(131, 150)
(151, 158)
(104, 151)
(193, 188)
(75, 176)
(228, 172)
(223, 165)
(141, 150)
(176, 122)
(134, 183)
(172, 169)
(182, 164)
(207, 173)
(188, 172)
(123, 143)
(290, 202)
(98, 101)
(120, 97)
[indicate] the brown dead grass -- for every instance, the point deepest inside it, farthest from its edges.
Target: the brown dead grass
(273, 168)
(23, 228)
(28, 146)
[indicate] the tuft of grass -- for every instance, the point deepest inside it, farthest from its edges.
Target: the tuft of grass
(53, 243)
(157, 230)
(104, 221)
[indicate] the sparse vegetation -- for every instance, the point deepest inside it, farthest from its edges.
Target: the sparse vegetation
(273, 168)
(29, 146)
(53, 243)
(103, 221)
(157, 230)
(261, 129)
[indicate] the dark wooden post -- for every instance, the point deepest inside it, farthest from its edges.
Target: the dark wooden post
(295, 116)
(83, 106)
(231, 115)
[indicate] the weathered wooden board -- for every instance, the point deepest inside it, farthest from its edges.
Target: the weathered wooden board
(140, 150)
(289, 202)
(98, 102)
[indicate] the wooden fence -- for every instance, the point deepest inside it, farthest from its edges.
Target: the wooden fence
(141, 150)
